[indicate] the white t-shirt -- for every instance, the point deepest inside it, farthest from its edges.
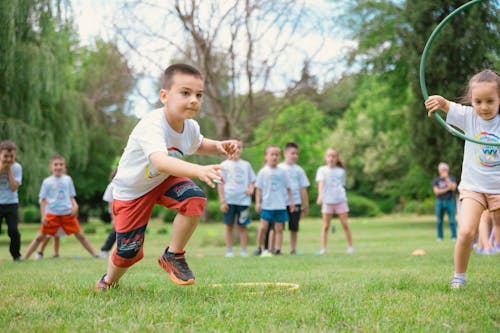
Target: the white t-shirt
(333, 184)
(481, 164)
(238, 175)
(273, 183)
(136, 176)
(298, 180)
(6, 195)
(58, 192)
(108, 193)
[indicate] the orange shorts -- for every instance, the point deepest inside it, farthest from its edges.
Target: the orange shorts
(489, 201)
(132, 216)
(68, 223)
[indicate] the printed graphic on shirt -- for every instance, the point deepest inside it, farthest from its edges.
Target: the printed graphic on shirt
(237, 176)
(488, 156)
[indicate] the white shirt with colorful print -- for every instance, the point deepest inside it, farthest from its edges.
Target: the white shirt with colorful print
(481, 164)
(136, 175)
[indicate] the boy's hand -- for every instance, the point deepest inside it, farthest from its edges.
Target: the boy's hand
(257, 207)
(436, 102)
(228, 147)
(224, 208)
(210, 173)
(74, 211)
(319, 201)
(44, 220)
(305, 210)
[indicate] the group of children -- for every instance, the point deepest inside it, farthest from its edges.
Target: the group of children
(151, 171)
(280, 197)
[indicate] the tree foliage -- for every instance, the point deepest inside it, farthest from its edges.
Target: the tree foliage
(56, 97)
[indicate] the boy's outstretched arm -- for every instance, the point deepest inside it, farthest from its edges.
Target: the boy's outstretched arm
(436, 102)
(177, 167)
(209, 146)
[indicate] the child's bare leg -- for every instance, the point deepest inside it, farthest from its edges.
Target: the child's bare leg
(243, 236)
(262, 232)
(470, 215)
(183, 228)
(56, 246)
(496, 227)
(228, 235)
(278, 234)
(344, 220)
(114, 272)
(43, 244)
(271, 239)
(85, 242)
(34, 245)
(484, 231)
(327, 218)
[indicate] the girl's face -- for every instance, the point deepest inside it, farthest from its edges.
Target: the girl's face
(331, 157)
(485, 99)
(272, 156)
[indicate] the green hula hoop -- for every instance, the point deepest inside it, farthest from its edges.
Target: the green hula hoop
(423, 85)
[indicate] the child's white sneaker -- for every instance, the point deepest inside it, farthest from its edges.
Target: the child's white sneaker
(104, 254)
(38, 255)
(243, 253)
(229, 255)
(350, 250)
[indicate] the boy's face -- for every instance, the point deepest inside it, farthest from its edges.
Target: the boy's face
(183, 99)
(57, 167)
(272, 156)
(7, 157)
(291, 155)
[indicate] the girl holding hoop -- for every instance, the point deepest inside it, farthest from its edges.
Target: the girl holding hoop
(480, 181)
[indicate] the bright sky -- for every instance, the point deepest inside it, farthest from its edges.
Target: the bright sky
(93, 19)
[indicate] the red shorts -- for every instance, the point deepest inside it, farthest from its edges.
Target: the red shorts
(132, 216)
(68, 223)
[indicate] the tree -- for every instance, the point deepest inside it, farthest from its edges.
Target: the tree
(237, 44)
(58, 98)
(392, 35)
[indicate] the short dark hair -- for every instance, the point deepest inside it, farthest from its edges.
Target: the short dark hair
(57, 157)
(7, 145)
(289, 145)
(171, 70)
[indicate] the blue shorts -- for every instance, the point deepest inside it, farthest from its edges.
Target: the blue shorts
(238, 214)
(280, 215)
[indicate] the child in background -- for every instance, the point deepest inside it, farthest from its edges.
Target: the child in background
(272, 188)
(11, 175)
(235, 196)
(332, 197)
(58, 207)
(151, 171)
(45, 241)
(480, 181)
(299, 184)
(108, 198)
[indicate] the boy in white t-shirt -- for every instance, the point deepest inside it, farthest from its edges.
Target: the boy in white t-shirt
(299, 184)
(272, 189)
(235, 197)
(151, 171)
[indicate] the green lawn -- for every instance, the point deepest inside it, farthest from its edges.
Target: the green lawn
(382, 287)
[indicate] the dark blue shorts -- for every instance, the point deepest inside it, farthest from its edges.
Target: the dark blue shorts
(280, 215)
(237, 214)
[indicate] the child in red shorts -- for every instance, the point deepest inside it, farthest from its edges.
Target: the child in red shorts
(151, 171)
(58, 208)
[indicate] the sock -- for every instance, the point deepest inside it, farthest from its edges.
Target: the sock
(460, 276)
(229, 250)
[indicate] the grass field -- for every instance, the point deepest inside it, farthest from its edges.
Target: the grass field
(381, 288)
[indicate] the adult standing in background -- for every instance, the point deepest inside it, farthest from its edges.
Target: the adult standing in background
(444, 187)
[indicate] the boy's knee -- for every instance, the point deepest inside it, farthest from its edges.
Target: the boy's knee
(194, 206)
(467, 234)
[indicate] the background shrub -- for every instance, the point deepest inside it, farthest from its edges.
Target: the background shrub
(31, 214)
